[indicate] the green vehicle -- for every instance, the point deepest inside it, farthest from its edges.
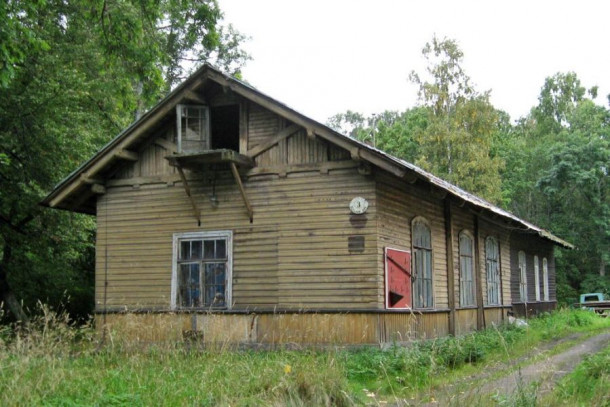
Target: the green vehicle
(595, 302)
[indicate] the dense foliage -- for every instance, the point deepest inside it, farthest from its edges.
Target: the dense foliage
(549, 167)
(72, 75)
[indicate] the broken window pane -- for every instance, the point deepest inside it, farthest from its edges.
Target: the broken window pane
(202, 272)
(190, 289)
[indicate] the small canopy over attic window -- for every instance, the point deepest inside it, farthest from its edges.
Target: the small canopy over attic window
(201, 128)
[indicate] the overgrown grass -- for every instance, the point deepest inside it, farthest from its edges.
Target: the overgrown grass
(54, 363)
(587, 385)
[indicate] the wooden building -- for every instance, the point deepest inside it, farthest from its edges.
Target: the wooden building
(225, 212)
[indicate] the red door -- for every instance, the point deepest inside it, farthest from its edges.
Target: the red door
(398, 278)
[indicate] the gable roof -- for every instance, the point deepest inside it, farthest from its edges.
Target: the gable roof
(65, 194)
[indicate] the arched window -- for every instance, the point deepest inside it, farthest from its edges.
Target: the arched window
(423, 294)
(466, 269)
(537, 278)
(492, 269)
(545, 278)
(522, 277)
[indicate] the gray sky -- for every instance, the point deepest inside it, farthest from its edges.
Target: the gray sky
(323, 57)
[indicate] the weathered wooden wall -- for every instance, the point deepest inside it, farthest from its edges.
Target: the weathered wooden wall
(294, 254)
(532, 245)
(277, 328)
(399, 202)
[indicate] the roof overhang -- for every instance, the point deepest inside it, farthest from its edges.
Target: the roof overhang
(119, 148)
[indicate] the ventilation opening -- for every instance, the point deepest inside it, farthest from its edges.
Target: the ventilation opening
(225, 127)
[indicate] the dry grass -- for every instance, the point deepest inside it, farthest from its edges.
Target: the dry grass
(52, 362)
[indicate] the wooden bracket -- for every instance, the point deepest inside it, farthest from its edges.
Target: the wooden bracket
(242, 191)
(195, 97)
(281, 135)
(311, 135)
(88, 179)
(166, 144)
(355, 154)
(187, 189)
(127, 155)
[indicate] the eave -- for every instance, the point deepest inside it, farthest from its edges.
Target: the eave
(119, 148)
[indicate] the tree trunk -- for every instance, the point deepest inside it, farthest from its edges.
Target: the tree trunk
(7, 297)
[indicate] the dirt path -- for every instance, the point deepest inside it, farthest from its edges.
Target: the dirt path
(544, 374)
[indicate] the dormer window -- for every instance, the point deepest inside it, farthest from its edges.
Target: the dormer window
(201, 128)
(193, 128)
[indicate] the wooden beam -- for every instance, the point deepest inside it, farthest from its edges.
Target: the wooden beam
(281, 135)
(87, 179)
(242, 191)
(310, 134)
(127, 155)
(243, 127)
(187, 189)
(355, 153)
(323, 168)
(195, 97)
(321, 131)
(450, 269)
(166, 144)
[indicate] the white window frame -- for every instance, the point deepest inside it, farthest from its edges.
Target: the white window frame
(416, 251)
(220, 234)
(205, 126)
(467, 286)
(522, 277)
(493, 272)
(545, 278)
(537, 277)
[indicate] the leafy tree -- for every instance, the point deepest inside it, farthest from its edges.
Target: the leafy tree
(576, 182)
(557, 176)
(457, 142)
(77, 71)
(391, 131)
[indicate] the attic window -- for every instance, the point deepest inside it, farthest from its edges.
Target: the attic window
(225, 127)
(193, 128)
(201, 128)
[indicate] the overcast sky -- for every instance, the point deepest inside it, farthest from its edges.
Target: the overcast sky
(323, 57)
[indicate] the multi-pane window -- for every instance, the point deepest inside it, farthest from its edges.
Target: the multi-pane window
(545, 278)
(193, 128)
(522, 277)
(423, 296)
(537, 278)
(202, 270)
(466, 270)
(492, 269)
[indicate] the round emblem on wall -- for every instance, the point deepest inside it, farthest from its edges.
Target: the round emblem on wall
(358, 205)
